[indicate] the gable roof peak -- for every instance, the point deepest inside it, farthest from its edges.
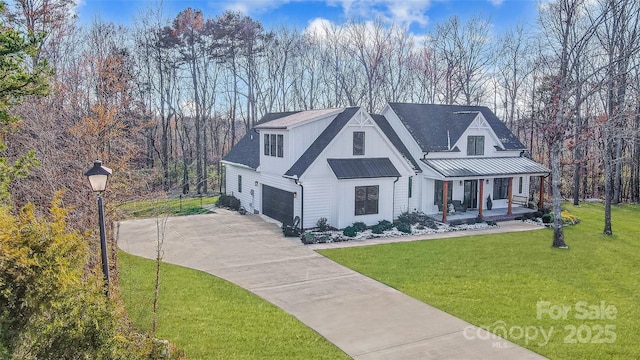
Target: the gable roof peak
(436, 126)
(297, 118)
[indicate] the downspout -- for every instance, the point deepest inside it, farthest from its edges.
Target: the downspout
(393, 202)
(301, 205)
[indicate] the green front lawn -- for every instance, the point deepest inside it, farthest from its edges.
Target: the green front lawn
(210, 318)
(517, 283)
(166, 206)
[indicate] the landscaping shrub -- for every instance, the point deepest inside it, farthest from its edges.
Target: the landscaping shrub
(228, 201)
(568, 218)
(430, 223)
(404, 227)
(234, 203)
(360, 226)
(547, 218)
(385, 224)
(223, 201)
(377, 229)
(322, 224)
(350, 231)
(411, 218)
(52, 306)
(308, 238)
(404, 217)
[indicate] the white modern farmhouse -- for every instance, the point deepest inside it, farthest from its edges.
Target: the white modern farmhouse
(347, 165)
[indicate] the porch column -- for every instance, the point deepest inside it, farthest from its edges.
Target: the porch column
(481, 197)
(510, 197)
(445, 191)
(541, 202)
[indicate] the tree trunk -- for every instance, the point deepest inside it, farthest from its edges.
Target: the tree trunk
(607, 185)
(558, 233)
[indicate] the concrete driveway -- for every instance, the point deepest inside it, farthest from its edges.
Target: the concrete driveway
(364, 318)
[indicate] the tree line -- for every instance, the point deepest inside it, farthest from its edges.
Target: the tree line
(163, 100)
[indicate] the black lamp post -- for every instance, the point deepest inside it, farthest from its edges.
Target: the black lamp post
(98, 176)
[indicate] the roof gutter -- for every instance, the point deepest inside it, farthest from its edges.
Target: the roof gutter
(225, 162)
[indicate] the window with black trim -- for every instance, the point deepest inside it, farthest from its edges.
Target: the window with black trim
(280, 145)
(500, 188)
(410, 186)
(367, 200)
(358, 143)
(274, 145)
(475, 145)
(239, 183)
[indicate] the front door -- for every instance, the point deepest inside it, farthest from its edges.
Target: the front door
(471, 193)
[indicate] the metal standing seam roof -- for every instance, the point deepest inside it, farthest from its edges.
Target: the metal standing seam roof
(363, 168)
(495, 166)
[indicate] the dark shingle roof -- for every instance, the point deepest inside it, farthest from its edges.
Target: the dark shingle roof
(247, 150)
(434, 127)
(321, 142)
(386, 128)
(363, 168)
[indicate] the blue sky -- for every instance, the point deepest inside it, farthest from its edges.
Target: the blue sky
(419, 14)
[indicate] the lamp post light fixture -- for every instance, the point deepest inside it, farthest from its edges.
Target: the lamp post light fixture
(98, 176)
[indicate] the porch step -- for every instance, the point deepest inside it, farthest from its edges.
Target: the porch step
(504, 217)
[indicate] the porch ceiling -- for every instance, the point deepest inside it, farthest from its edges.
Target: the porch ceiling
(486, 167)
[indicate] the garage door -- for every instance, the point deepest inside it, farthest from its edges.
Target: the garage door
(277, 204)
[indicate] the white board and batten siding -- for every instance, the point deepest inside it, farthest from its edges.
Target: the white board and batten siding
(334, 199)
(344, 209)
(247, 193)
(318, 200)
(400, 197)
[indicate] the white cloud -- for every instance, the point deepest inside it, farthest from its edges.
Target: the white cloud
(317, 27)
(496, 2)
(404, 12)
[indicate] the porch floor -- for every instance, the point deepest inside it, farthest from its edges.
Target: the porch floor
(494, 214)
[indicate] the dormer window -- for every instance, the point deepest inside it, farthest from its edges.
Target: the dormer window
(274, 145)
(475, 145)
(358, 143)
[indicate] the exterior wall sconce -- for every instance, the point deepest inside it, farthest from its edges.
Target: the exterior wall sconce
(295, 195)
(256, 183)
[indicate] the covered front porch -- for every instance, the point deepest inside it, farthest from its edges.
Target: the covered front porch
(493, 214)
(484, 187)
